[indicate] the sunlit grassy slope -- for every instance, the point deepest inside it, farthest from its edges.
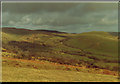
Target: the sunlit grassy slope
(99, 42)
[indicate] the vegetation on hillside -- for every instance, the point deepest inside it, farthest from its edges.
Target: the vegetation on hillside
(91, 49)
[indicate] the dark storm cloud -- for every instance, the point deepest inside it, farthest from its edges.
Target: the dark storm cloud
(36, 7)
(69, 17)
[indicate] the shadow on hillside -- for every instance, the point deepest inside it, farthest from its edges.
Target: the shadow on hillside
(23, 45)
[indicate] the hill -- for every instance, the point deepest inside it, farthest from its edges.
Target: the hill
(91, 49)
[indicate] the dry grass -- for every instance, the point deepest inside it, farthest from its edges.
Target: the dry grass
(26, 71)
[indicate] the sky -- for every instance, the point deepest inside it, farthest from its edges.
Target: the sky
(66, 17)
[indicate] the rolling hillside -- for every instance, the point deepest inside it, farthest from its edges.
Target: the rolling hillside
(89, 49)
(92, 50)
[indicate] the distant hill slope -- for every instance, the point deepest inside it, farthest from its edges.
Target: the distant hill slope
(101, 42)
(91, 49)
(26, 31)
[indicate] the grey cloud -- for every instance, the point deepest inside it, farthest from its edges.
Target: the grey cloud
(85, 8)
(36, 7)
(71, 17)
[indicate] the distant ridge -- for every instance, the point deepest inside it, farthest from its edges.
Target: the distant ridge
(39, 30)
(16, 30)
(53, 31)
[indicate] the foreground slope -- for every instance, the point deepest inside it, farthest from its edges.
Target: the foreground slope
(18, 70)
